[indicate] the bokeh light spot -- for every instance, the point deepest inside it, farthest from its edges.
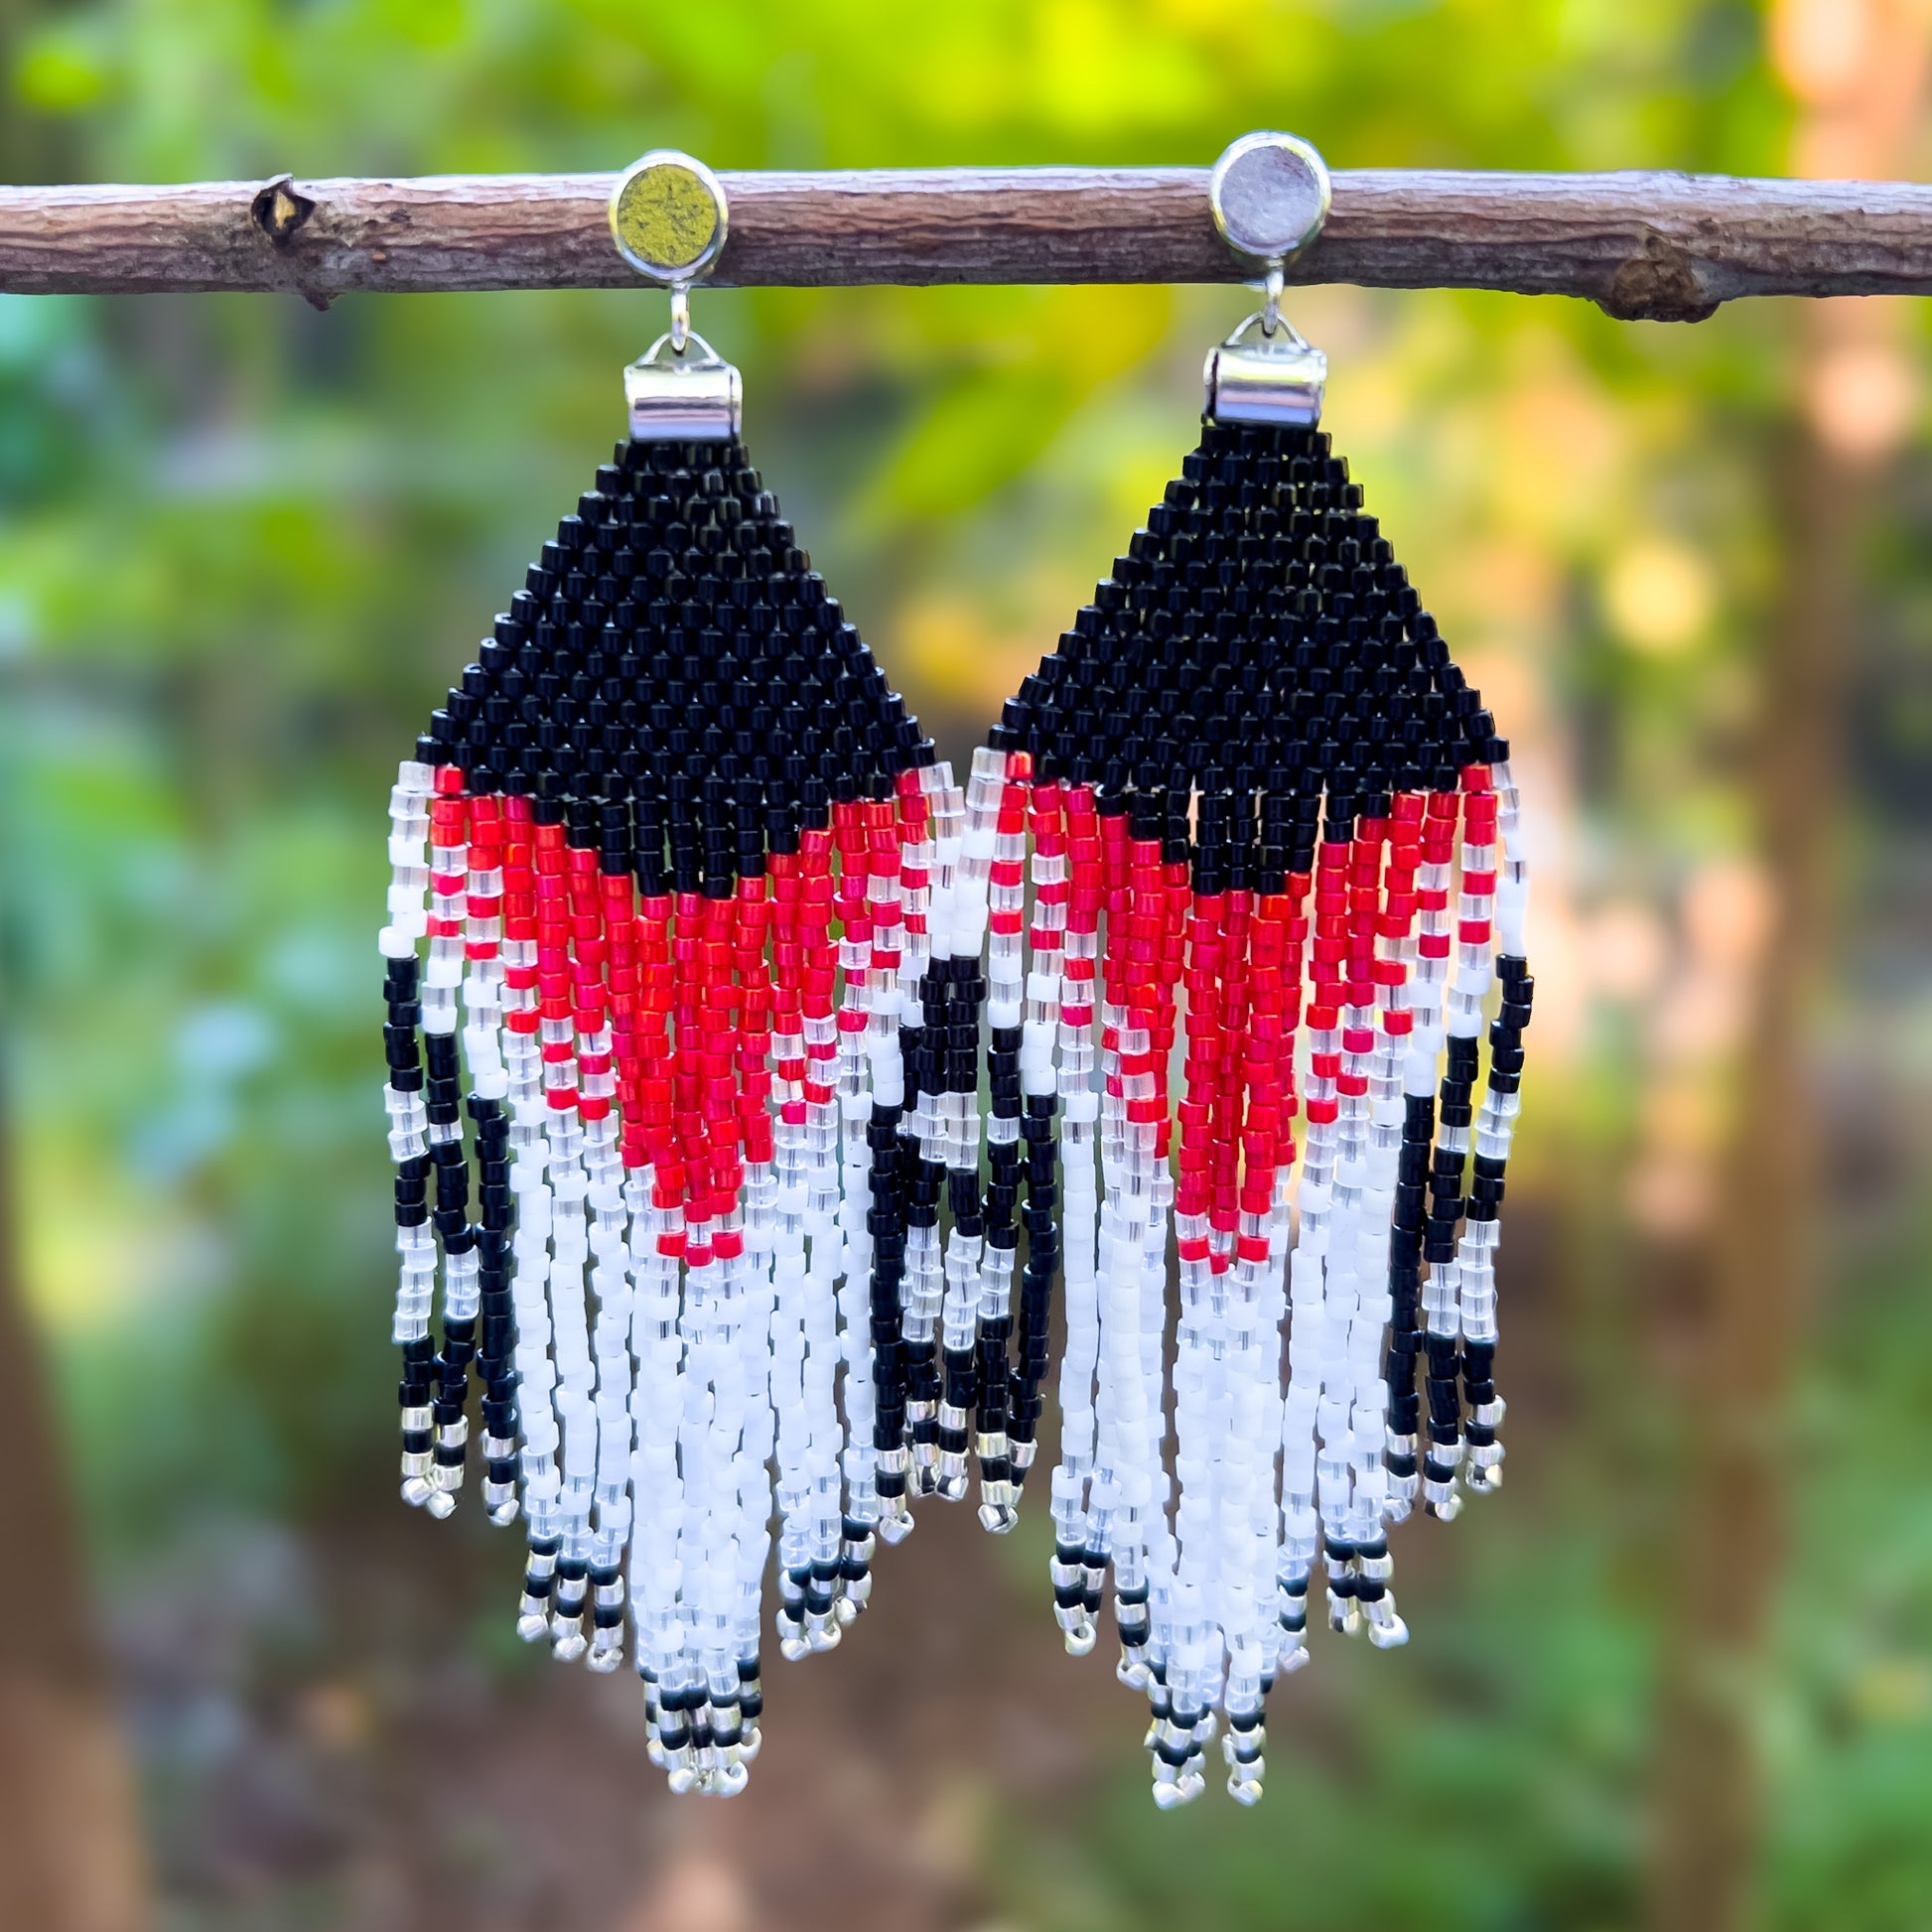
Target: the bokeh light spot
(1659, 595)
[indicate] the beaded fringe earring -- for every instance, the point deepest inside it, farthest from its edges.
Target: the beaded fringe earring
(731, 943)
(673, 772)
(1254, 756)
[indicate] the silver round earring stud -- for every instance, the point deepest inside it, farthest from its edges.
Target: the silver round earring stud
(1270, 195)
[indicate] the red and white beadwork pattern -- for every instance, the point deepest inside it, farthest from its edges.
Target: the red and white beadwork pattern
(689, 1082)
(1333, 1000)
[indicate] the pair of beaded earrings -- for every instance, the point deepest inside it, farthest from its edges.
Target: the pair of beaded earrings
(776, 1037)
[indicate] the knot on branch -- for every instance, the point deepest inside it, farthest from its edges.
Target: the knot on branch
(1663, 284)
(279, 209)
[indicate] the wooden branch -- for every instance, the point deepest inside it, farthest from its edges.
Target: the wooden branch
(1661, 247)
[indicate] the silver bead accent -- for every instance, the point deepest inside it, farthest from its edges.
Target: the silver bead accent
(1076, 1631)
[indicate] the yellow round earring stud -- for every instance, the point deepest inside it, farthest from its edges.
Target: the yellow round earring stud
(668, 215)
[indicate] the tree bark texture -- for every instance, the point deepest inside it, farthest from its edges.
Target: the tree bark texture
(1665, 248)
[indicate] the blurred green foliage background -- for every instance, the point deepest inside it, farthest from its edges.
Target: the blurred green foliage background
(244, 546)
